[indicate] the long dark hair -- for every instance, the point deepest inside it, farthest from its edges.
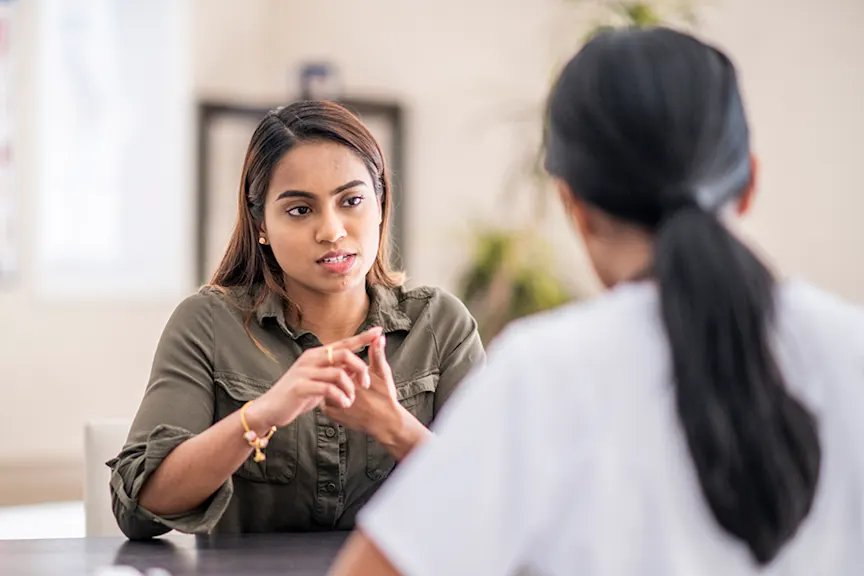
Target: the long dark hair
(648, 126)
(252, 267)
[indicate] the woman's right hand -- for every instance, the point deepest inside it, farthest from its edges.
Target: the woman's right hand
(311, 379)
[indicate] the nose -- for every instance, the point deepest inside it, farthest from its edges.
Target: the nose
(331, 228)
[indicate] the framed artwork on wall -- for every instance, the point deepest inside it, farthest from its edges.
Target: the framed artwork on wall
(224, 131)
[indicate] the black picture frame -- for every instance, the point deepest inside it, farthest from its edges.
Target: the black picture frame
(209, 112)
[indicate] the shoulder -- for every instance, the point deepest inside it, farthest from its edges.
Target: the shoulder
(195, 306)
(433, 306)
(208, 302)
(804, 301)
(430, 298)
(582, 352)
(820, 348)
(431, 312)
(583, 328)
(824, 324)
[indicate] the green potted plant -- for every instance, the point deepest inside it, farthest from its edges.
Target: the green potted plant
(509, 277)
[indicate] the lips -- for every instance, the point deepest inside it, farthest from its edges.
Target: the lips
(338, 262)
(335, 259)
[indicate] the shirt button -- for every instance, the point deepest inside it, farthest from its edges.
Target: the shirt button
(330, 488)
(330, 432)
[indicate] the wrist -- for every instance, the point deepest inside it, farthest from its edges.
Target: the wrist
(400, 432)
(258, 417)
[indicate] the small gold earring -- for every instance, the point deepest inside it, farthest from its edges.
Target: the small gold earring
(262, 240)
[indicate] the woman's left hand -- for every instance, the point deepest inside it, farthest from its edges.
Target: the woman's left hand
(376, 409)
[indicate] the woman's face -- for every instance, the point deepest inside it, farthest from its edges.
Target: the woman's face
(322, 218)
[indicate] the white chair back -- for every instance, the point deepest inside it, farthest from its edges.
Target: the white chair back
(103, 440)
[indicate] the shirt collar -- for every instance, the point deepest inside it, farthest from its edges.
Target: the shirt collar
(385, 310)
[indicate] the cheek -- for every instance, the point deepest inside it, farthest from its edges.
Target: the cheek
(368, 226)
(372, 236)
(284, 238)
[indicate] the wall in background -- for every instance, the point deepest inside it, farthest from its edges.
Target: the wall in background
(115, 114)
(453, 67)
(66, 356)
(456, 66)
(802, 82)
(804, 86)
(461, 70)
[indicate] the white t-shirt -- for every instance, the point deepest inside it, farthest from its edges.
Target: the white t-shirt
(565, 454)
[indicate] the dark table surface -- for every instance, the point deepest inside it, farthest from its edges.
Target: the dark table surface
(284, 554)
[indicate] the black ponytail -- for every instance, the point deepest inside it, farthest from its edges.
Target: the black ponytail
(648, 126)
(755, 447)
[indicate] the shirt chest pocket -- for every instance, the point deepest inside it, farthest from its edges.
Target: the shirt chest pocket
(418, 397)
(280, 467)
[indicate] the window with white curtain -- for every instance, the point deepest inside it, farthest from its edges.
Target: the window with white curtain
(115, 157)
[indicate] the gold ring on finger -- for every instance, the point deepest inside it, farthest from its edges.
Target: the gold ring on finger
(329, 350)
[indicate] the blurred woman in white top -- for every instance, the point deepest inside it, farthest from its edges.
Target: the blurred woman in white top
(699, 419)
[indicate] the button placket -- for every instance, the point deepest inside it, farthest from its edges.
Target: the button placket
(327, 458)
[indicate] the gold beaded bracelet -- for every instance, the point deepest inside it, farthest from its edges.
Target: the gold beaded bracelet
(259, 443)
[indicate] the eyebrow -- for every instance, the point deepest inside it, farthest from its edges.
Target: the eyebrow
(310, 196)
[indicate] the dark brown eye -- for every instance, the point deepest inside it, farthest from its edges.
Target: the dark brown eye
(353, 201)
(299, 211)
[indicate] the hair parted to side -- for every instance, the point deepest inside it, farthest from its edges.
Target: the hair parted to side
(249, 265)
(648, 125)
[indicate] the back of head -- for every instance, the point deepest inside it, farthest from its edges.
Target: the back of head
(647, 125)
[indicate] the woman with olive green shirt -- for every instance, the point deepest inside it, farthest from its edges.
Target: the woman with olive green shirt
(305, 329)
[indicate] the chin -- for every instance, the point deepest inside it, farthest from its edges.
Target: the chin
(339, 284)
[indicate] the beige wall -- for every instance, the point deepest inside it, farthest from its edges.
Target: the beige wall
(459, 67)
(61, 366)
(800, 64)
(801, 67)
(455, 67)
(60, 363)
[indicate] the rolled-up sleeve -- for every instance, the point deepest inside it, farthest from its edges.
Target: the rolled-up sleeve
(177, 404)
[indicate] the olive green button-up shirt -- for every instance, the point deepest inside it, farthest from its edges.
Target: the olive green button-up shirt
(317, 474)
